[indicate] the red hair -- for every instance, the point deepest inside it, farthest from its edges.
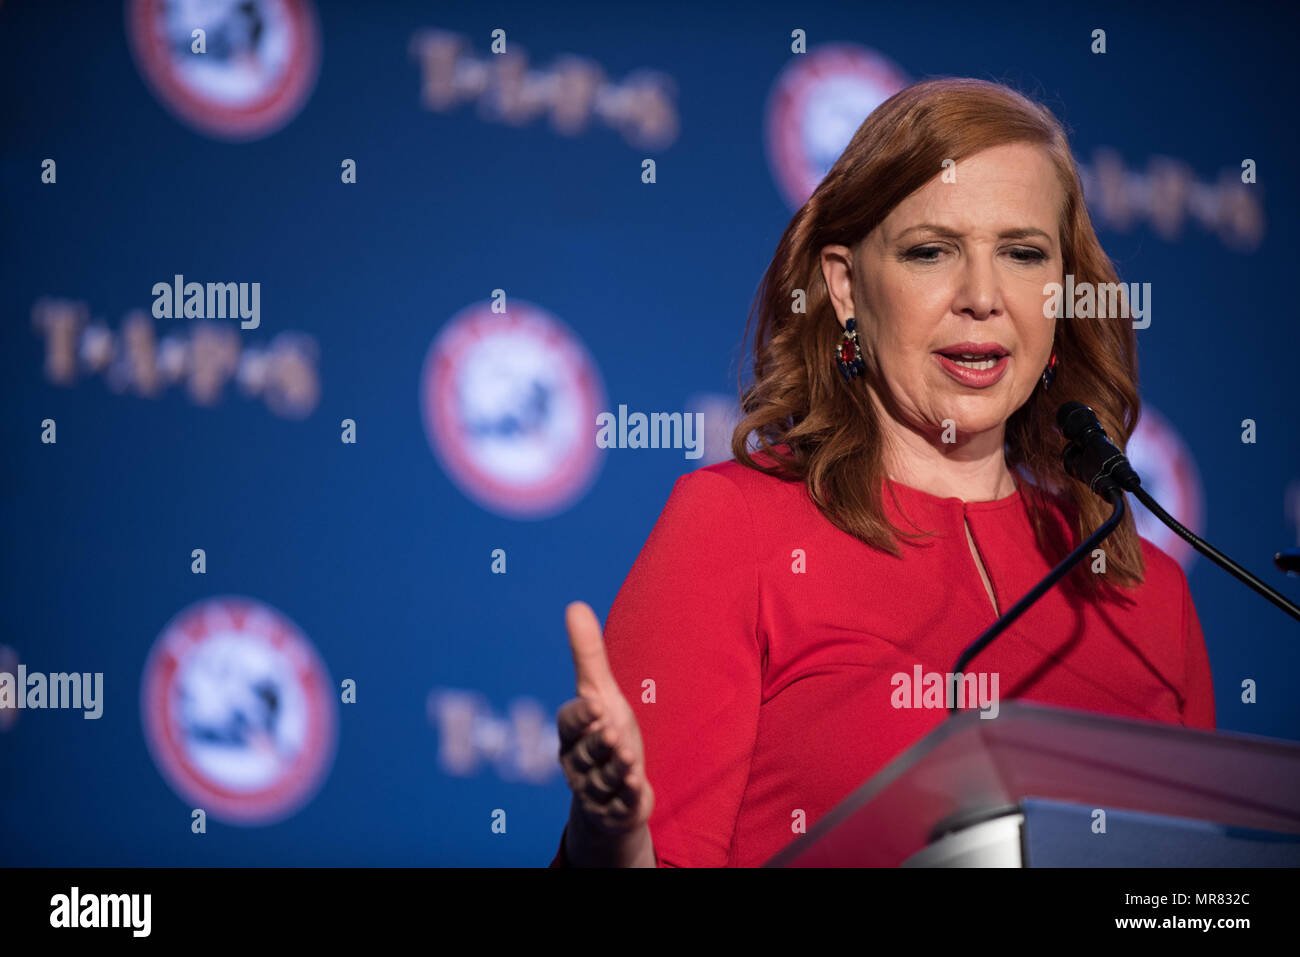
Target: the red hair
(799, 400)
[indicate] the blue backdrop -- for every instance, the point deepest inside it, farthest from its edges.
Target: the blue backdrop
(365, 556)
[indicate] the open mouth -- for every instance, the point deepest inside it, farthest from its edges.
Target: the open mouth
(974, 364)
(971, 356)
(969, 361)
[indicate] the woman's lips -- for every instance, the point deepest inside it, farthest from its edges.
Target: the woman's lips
(975, 378)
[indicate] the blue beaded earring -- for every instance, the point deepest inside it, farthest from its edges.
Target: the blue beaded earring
(849, 358)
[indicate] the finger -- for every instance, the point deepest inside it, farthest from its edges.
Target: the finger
(575, 718)
(591, 751)
(596, 789)
(605, 781)
(590, 664)
(573, 777)
(597, 755)
(635, 802)
(618, 809)
(610, 816)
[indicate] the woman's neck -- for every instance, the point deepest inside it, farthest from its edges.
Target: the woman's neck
(973, 468)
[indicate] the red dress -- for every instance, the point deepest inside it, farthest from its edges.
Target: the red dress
(773, 639)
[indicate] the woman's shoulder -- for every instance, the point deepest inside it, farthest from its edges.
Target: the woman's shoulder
(1162, 569)
(737, 481)
(735, 502)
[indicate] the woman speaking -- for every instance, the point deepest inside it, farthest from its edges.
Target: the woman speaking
(903, 487)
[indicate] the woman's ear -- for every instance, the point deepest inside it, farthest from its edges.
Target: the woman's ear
(837, 271)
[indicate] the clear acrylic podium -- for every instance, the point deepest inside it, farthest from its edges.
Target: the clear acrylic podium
(1050, 787)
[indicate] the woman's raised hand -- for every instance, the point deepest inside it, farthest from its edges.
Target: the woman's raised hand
(602, 757)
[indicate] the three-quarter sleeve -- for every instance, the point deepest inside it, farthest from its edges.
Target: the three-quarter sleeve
(1198, 683)
(682, 642)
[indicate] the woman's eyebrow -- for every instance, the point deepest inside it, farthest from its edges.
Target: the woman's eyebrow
(1022, 232)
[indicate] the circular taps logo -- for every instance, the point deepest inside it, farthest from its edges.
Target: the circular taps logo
(1158, 454)
(815, 107)
(509, 404)
(258, 62)
(238, 711)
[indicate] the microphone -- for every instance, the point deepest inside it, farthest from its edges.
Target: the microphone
(1093, 459)
(1090, 456)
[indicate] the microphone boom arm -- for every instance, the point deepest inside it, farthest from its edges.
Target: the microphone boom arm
(1214, 555)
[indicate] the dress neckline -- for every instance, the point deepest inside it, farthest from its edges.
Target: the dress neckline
(925, 500)
(943, 505)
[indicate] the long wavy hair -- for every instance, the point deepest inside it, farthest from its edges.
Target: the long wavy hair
(830, 432)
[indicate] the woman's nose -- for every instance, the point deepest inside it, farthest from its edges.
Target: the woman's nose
(979, 293)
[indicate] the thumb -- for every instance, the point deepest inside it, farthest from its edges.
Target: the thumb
(589, 662)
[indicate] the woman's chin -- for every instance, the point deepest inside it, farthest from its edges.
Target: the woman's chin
(973, 417)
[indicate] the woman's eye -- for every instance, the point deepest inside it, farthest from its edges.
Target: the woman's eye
(931, 254)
